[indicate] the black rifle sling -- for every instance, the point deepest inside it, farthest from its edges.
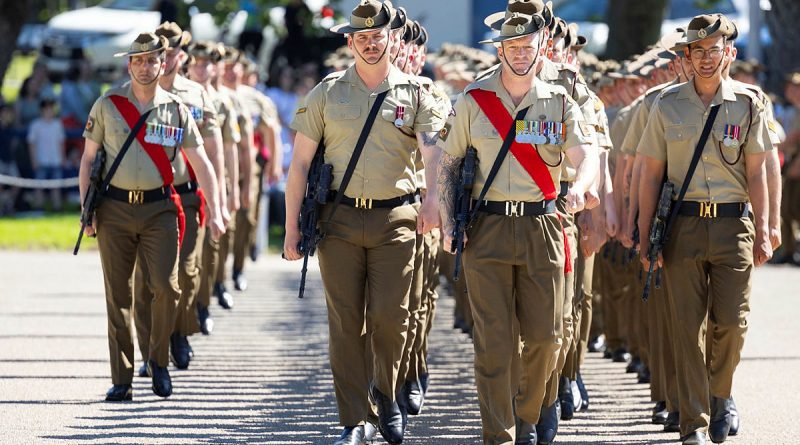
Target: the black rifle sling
(362, 140)
(113, 169)
(498, 161)
(698, 150)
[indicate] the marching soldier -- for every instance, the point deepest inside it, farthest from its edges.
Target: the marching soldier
(370, 241)
(202, 110)
(713, 244)
(205, 68)
(141, 209)
(516, 251)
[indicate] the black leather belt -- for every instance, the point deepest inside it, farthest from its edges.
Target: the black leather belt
(517, 208)
(367, 203)
(138, 196)
(564, 189)
(189, 187)
(715, 210)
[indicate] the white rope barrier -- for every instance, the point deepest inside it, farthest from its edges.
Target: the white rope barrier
(15, 181)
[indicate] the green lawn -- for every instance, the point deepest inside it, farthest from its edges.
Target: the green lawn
(57, 231)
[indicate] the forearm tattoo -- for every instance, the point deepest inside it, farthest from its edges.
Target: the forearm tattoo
(448, 183)
(430, 138)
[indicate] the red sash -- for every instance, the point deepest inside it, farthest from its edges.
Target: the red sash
(193, 177)
(529, 159)
(157, 154)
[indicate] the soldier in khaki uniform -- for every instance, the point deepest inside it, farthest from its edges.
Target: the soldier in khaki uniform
(140, 210)
(369, 247)
(663, 383)
(714, 244)
(230, 80)
(204, 68)
(203, 112)
(515, 255)
(267, 168)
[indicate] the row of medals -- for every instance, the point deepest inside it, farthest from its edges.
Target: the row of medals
(533, 132)
(731, 136)
(163, 135)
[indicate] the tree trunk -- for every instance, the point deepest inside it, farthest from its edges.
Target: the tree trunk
(13, 14)
(784, 53)
(632, 25)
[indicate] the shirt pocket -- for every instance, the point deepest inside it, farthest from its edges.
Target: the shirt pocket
(679, 137)
(484, 130)
(342, 112)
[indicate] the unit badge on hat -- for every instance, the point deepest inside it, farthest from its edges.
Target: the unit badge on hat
(702, 33)
(369, 22)
(520, 29)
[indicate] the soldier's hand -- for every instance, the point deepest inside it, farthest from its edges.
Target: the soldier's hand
(448, 241)
(290, 242)
(89, 231)
(775, 237)
(233, 204)
(575, 201)
(762, 249)
(428, 218)
(591, 198)
(226, 215)
(217, 227)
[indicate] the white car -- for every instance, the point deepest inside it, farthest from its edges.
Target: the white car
(590, 15)
(97, 33)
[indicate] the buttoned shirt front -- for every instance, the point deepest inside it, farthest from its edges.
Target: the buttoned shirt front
(335, 112)
(469, 126)
(673, 131)
(107, 127)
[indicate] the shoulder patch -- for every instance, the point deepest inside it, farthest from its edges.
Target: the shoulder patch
(445, 132)
(301, 110)
(89, 124)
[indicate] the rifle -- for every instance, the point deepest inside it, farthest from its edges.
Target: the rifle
(320, 176)
(658, 234)
(92, 200)
(461, 207)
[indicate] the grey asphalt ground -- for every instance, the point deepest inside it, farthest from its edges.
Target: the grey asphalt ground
(263, 378)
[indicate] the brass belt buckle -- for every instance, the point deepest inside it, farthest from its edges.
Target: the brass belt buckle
(363, 203)
(708, 209)
(136, 197)
(515, 208)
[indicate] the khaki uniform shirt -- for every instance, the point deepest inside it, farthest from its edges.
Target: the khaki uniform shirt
(261, 108)
(639, 116)
(603, 129)
(776, 131)
(572, 82)
(620, 126)
(227, 118)
(674, 128)
(336, 110)
(202, 110)
(107, 127)
(469, 126)
(443, 102)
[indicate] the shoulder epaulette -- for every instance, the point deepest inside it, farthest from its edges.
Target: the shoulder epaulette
(333, 76)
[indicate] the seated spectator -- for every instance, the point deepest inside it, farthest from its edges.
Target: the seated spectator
(46, 145)
(8, 162)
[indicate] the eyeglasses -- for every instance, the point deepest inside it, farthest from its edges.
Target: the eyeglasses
(700, 53)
